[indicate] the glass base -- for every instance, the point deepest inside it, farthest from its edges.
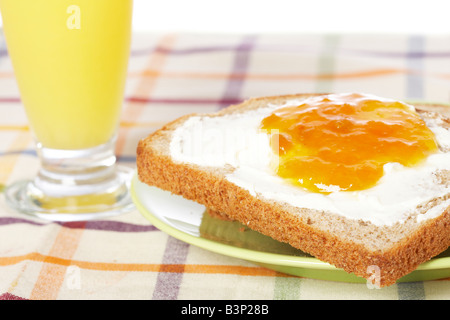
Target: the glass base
(115, 199)
(74, 185)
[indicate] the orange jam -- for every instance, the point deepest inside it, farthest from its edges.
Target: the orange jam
(341, 142)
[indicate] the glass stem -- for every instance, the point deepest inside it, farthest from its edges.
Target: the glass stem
(65, 172)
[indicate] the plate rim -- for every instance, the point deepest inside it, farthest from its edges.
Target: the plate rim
(250, 254)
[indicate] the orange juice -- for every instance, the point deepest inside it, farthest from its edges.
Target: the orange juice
(70, 59)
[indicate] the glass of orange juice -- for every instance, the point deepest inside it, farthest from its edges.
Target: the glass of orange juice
(70, 60)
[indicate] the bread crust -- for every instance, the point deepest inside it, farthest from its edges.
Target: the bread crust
(209, 187)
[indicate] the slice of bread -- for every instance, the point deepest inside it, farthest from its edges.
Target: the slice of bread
(380, 253)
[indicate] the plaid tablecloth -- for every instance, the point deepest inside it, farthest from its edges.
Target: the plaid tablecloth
(126, 257)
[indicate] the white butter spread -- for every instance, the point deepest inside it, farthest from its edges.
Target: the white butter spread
(236, 140)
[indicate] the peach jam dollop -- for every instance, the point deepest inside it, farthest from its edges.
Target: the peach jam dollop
(341, 142)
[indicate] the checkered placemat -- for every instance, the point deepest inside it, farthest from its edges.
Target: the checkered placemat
(125, 257)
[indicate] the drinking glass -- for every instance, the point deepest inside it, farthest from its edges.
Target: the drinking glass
(70, 60)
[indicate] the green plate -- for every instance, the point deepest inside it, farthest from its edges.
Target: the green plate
(188, 222)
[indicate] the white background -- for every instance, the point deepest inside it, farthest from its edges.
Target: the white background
(253, 16)
(372, 16)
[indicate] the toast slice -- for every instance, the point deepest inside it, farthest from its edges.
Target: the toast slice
(381, 253)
